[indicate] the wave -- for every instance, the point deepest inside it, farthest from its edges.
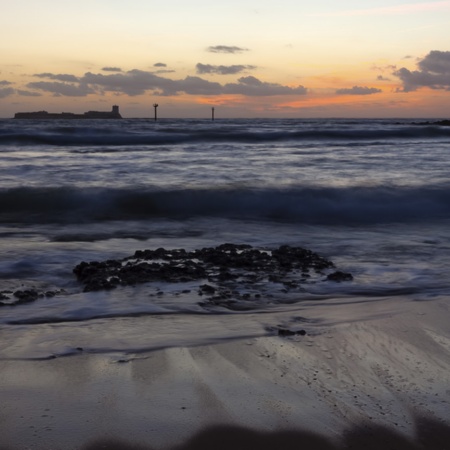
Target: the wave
(65, 136)
(327, 205)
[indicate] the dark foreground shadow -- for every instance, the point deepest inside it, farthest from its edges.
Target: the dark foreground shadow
(430, 435)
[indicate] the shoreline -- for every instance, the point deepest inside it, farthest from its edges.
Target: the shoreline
(375, 381)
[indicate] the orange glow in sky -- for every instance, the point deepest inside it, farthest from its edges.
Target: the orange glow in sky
(256, 58)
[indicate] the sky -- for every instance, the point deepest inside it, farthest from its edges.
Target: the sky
(246, 58)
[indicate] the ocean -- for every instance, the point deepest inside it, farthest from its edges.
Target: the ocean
(371, 196)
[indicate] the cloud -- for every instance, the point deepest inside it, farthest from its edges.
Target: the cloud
(5, 83)
(6, 92)
(58, 77)
(226, 49)
(434, 73)
(61, 89)
(381, 78)
(132, 83)
(138, 82)
(198, 86)
(251, 86)
(436, 61)
(28, 93)
(388, 67)
(222, 70)
(358, 90)
(159, 64)
(112, 69)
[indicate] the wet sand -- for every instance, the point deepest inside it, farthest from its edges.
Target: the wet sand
(379, 382)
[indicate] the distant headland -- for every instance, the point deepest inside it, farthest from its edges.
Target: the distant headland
(442, 123)
(113, 114)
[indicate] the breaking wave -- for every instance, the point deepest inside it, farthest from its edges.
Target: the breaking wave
(350, 205)
(132, 133)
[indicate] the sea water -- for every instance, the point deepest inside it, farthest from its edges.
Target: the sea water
(373, 196)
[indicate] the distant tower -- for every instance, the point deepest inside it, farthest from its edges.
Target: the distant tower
(115, 110)
(155, 105)
(212, 113)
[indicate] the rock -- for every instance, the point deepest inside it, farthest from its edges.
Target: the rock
(26, 296)
(284, 332)
(228, 269)
(23, 296)
(442, 123)
(340, 276)
(207, 289)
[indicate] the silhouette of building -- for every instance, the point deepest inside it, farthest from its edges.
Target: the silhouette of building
(113, 114)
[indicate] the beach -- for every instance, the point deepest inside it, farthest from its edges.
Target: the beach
(183, 284)
(378, 380)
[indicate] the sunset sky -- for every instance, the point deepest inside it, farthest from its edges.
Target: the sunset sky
(247, 58)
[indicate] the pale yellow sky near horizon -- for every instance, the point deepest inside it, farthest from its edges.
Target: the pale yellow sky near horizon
(248, 59)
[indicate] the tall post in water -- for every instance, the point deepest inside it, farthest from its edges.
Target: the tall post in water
(212, 113)
(155, 105)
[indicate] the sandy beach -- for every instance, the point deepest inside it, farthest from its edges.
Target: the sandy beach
(365, 375)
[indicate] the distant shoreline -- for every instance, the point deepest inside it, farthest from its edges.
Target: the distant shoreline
(113, 114)
(442, 123)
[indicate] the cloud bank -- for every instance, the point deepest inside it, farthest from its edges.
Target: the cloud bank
(358, 90)
(222, 70)
(6, 92)
(137, 82)
(251, 86)
(59, 77)
(226, 49)
(112, 69)
(433, 72)
(62, 89)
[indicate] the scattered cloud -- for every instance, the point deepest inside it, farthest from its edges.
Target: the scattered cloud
(61, 89)
(388, 67)
(163, 71)
(434, 73)
(137, 82)
(6, 92)
(358, 90)
(226, 49)
(28, 93)
(5, 83)
(251, 86)
(132, 83)
(198, 86)
(58, 77)
(436, 61)
(159, 64)
(383, 69)
(222, 70)
(112, 69)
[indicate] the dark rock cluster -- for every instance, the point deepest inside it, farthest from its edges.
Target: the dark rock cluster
(220, 270)
(339, 276)
(22, 296)
(287, 332)
(442, 123)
